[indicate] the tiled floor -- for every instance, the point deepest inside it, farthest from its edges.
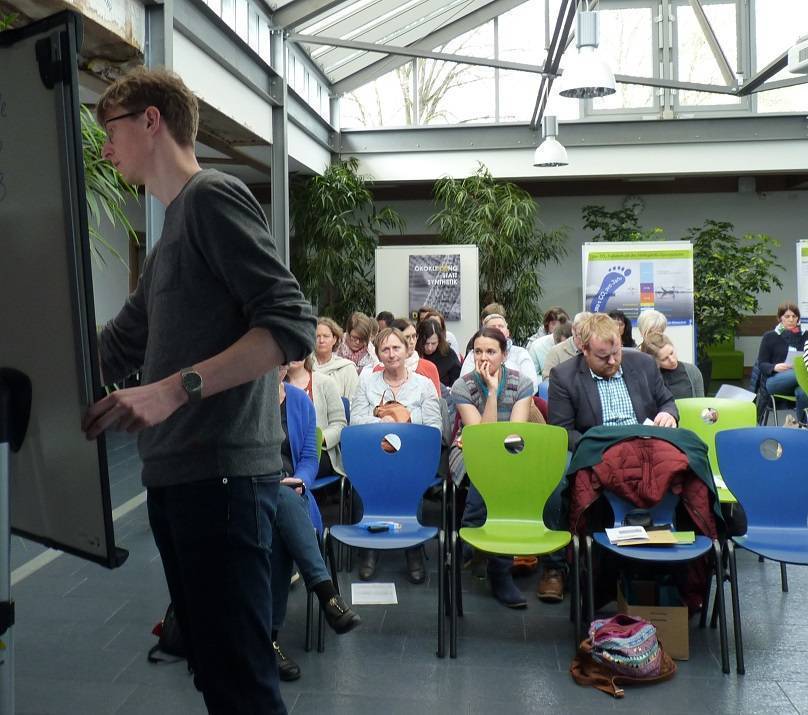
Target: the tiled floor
(82, 635)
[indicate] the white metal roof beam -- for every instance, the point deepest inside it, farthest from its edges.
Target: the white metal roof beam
(431, 41)
(410, 52)
(712, 41)
(300, 12)
(771, 69)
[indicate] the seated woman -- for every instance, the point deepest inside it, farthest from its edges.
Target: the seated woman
(491, 393)
(426, 313)
(324, 393)
(683, 379)
(412, 359)
(293, 536)
(356, 344)
(624, 328)
(327, 362)
(395, 381)
(431, 345)
(778, 349)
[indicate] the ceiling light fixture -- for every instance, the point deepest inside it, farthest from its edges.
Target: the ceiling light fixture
(587, 75)
(550, 152)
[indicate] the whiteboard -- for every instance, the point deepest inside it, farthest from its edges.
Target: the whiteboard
(59, 481)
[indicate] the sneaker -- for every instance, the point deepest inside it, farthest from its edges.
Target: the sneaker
(339, 615)
(287, 668)
(551, 586)
(524, 565)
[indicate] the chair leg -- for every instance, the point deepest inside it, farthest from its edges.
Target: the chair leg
(576, 589)
(705, 607)
(330, 558)
(341, 519)
(736, 608)
(722, 612)
(309, 609)
(590, 583)
(454, 595)
(761, 559)
(783, 578)
(441, 594)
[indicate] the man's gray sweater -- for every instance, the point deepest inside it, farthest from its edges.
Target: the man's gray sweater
(213, 275)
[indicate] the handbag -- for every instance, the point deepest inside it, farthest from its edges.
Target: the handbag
(392, 408)
(622, 649)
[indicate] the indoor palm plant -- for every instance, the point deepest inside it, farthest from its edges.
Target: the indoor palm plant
(501, 219)
(336, 227)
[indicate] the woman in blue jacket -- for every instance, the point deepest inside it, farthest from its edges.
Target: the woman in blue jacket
(293, 535)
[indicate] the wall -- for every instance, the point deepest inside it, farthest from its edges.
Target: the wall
(783, 215)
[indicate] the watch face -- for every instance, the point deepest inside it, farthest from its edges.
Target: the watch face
(192, 382)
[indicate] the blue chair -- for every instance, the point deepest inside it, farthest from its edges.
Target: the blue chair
(544, 389)
(663, 513)
(765, 469)
(391, 485)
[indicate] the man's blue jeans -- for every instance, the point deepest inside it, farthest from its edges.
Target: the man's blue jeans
(785, 383)
(293, 540)
(215, 538)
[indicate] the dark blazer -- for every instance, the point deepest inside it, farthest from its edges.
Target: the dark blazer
(574, 402)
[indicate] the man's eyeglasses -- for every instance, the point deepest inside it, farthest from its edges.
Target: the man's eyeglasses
(123, 116)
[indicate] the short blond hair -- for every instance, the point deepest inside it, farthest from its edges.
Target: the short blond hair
(651, 321)
(385, 334)
(599, 326)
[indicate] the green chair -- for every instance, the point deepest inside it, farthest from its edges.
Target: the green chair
(801, 373)
(730, 414)
(515, 480)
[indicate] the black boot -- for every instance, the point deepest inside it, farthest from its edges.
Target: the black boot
(367, 563)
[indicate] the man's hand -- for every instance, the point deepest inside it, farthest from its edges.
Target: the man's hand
(665, 419)
(294, 482)
(135, 408)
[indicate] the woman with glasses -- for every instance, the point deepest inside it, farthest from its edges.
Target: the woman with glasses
(356, 344)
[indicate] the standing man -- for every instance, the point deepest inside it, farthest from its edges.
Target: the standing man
(214, 313)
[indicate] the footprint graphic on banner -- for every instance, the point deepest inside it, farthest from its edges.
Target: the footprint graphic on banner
(611, 282)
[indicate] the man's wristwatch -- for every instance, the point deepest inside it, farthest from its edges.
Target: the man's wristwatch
(191, 383)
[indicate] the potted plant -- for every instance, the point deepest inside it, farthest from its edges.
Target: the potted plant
(501, 219)
(728, 274)
(336, 227)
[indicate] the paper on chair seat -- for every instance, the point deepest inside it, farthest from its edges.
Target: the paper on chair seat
(627, 533)
(373, 594)
(733, 392)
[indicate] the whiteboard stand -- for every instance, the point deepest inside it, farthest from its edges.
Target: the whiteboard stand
(15, 409)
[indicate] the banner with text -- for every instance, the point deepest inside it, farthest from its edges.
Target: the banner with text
(435, 281)
(802, 280)
(633, 277)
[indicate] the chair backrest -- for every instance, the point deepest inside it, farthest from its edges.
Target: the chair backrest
(695, 415)
(390, 483)
(346, 403)
(764, 467)
(515, 485)
(661, 513)
(544, 390)
(801, 373)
